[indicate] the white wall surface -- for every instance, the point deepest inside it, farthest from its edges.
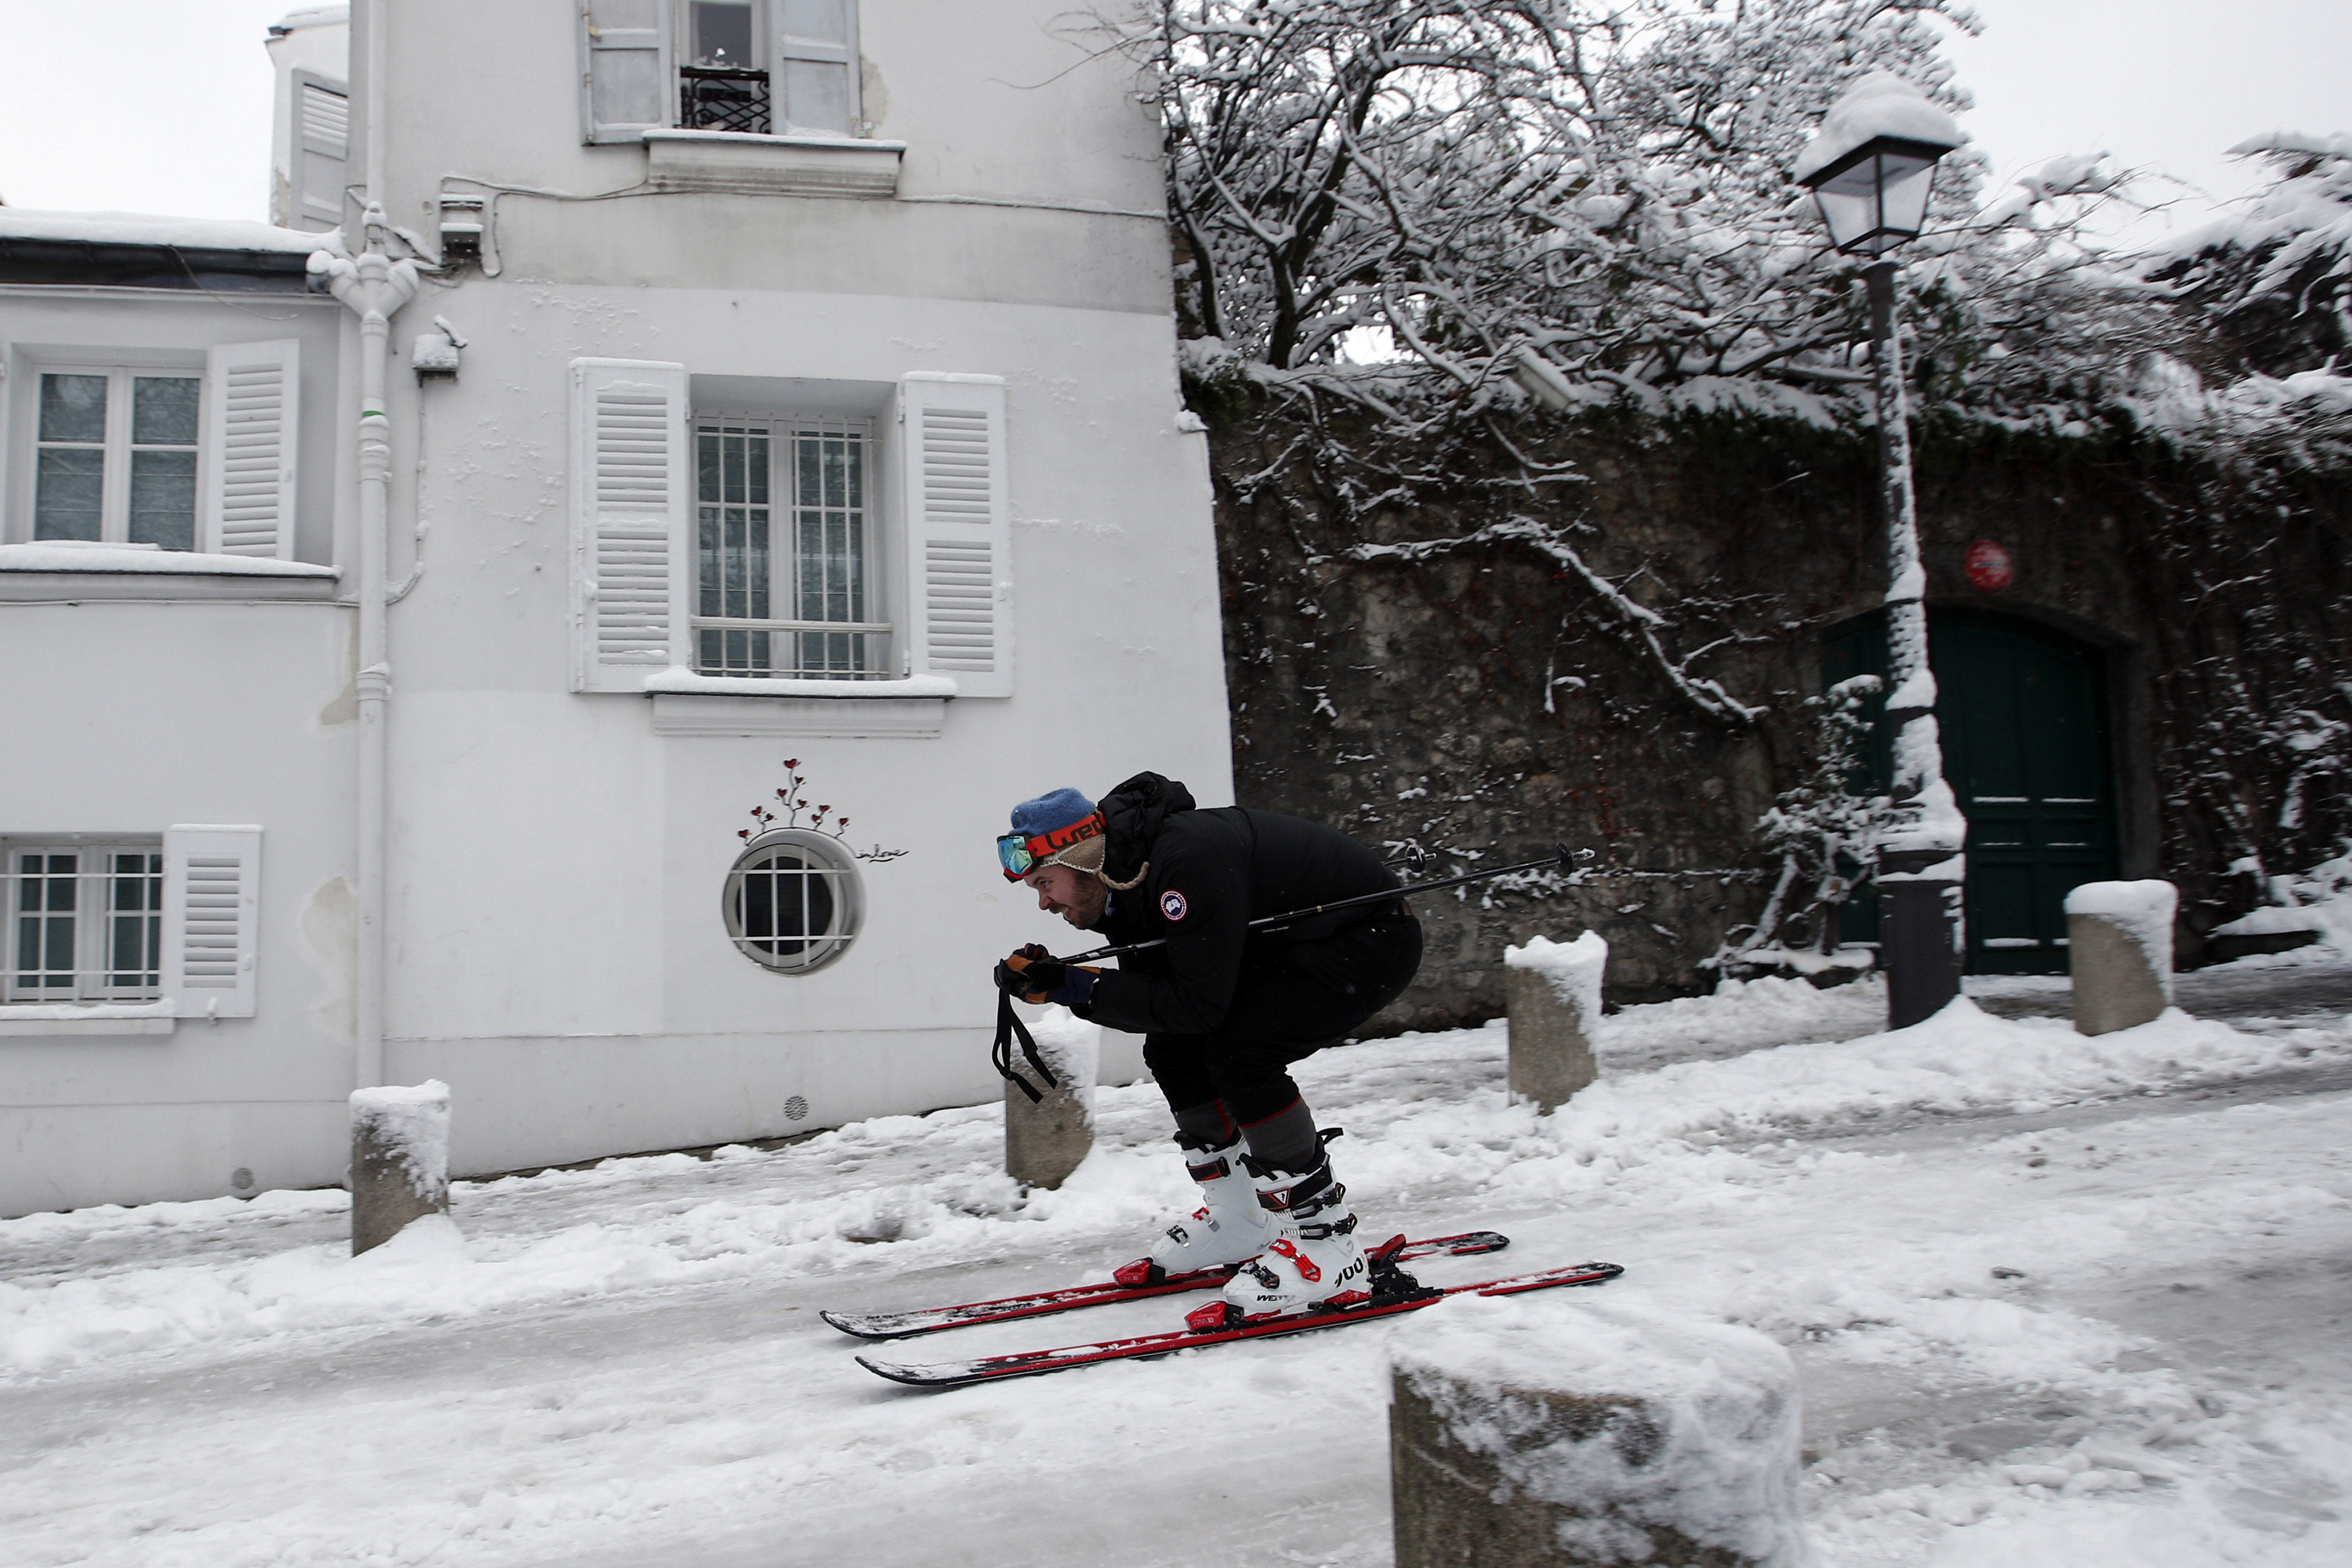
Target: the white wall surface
(144, 715)
(1008, 102)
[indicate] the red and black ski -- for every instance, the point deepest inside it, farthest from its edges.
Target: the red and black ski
(1408, 1297)
(931, 1320)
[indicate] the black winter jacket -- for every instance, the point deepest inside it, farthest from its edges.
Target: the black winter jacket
(1213, 872)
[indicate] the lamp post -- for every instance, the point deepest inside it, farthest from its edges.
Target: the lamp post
(1870, 167)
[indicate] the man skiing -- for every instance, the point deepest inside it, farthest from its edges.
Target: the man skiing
(1224, 1010)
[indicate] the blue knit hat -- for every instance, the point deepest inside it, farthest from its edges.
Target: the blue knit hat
(1057, 808)
(1051, 817)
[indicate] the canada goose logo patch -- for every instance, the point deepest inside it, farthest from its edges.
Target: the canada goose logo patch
(1172, 904)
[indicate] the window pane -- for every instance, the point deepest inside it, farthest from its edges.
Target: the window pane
(816, 95)
(809, 485)
(836, 473)
(734, 550)
(786, 901)
(756, 482)
(46, 887)
(723, 34)
(163, 499)
(73, 408)
(164, 410)
(66, 493)
(825, 19)
(710, 601)
(731, 483)
(626, 88)
(135, 931)
(755, 565)
(828, 552)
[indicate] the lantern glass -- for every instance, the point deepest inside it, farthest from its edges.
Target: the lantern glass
(1876, 198)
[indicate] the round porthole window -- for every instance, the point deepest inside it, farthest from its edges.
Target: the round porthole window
(793, 901)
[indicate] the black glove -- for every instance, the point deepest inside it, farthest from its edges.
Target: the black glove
(1035, 975)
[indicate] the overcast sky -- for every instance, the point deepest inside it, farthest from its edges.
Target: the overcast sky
(162, 106)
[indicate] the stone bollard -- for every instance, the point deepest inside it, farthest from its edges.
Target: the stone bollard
(2119, 947)
(1554, 991)
(1533, 1433)
(400, 1159)
(1045, 1140)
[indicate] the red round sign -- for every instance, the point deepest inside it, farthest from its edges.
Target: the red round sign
(1990, 566)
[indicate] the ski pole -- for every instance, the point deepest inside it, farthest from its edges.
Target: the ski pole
(1560, 859)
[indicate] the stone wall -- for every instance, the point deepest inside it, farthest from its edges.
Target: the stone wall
(1484, 699)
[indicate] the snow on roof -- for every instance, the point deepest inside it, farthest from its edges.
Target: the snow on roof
(74, 555)
(143, 228)
(311, 16)
(1878, 104)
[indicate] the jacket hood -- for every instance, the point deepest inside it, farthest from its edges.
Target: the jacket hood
(1133, 814)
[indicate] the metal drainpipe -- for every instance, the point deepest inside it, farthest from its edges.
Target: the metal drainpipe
(377, 288)
(374, 679)
(373, 285)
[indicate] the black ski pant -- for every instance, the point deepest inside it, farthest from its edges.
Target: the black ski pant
(1289, 1003)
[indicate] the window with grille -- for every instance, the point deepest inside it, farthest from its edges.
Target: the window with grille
(784, 551)
(86, 921)
(793, 901)
(721, 85)
(115, 457)
(760, 67)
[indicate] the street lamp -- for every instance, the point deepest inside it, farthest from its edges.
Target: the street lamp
(1870, 167)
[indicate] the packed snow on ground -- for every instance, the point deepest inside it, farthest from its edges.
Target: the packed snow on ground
(2054, 1301)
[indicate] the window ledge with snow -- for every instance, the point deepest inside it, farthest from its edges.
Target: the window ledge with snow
(49, 570)
(910, 708)
(20, 1020)
(788, 166)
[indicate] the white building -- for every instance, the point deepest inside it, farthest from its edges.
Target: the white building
(846, 433)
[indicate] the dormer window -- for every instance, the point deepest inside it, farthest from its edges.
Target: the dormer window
(748, 67)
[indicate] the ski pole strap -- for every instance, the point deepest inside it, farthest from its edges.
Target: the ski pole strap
(1010, 1027)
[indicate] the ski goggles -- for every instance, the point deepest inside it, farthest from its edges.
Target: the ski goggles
(1021, 853)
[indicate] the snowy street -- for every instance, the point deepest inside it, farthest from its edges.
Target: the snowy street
(2056, 1300)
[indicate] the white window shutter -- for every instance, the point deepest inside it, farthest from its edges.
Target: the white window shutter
(321, 154)
(252, 410)
(816, 69)
(959, 531)
(211, 907)
(632, 550)
(625, 77)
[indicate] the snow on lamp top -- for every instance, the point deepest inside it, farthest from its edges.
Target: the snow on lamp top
(1871, 163)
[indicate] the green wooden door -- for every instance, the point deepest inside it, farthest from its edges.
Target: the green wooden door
(2022, 711)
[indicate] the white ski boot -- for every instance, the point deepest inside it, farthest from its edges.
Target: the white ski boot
(1230, 1225)
(1313, 1259)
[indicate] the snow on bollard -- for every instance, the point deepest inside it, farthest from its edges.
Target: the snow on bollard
(1554, 991)
(1531, 1434)
(1045, 1140)
(400, 1159)
(2119, 947)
